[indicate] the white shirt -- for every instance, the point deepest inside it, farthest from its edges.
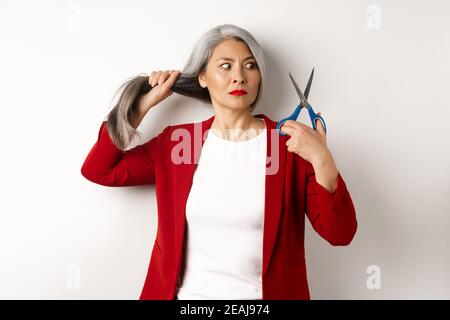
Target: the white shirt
(224, 221)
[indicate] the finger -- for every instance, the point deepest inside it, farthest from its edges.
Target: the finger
(289, 142)
(286, 129)
(169, 74)
(156, 78)
(290, 123)
(319, 125)
(172, 78)
(150, 77)
(296, 125)
(163, 77)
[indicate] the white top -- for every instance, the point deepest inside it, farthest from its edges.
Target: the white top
(225, 217)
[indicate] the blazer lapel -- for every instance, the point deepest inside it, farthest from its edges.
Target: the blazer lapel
(274, 188)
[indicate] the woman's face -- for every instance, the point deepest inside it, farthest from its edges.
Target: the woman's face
(223, 76)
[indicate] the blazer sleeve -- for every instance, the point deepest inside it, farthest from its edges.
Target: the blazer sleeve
(332, 214)
(107, 165)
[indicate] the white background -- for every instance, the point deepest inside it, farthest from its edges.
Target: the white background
(381, 82)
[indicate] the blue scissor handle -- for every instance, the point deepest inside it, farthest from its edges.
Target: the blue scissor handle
(293, 117)
(312, 115)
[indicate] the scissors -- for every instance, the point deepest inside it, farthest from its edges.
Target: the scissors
(303, 104)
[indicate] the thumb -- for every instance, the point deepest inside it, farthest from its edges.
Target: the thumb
(319, 125)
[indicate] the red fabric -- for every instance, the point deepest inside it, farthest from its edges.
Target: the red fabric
(291, 192)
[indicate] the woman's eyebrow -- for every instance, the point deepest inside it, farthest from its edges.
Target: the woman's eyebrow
(233, 59)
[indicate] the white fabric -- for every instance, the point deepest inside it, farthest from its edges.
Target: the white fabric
(225, 217)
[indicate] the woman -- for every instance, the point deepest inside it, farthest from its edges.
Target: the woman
(226, 229)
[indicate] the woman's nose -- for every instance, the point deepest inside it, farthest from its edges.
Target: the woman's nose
(239, 76)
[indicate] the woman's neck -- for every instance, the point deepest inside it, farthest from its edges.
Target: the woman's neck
(237, 127)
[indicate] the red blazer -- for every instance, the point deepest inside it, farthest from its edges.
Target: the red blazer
(291, 191)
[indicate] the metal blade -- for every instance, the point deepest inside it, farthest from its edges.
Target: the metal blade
(308, 86)
(299, 92)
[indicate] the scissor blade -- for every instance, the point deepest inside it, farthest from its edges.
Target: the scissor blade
(308, 86)
(299, 92)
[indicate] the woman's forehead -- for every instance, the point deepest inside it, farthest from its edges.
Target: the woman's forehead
(232, 49)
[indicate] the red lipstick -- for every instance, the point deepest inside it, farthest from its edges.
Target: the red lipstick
(238, 92)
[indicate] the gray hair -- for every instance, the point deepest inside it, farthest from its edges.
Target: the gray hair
(119, 118)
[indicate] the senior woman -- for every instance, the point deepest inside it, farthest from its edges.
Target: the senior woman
(232, 193)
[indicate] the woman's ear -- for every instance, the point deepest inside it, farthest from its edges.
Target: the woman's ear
(201, 79)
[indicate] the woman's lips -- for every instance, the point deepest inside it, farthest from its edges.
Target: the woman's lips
(238, 92)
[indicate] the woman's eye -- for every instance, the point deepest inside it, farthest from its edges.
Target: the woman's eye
(251, 63)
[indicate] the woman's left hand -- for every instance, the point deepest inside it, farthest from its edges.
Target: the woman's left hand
(306, 142)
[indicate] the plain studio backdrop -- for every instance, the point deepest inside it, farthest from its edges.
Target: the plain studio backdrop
(381, 82)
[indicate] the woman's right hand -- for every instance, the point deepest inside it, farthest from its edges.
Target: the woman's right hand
(161, 83)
